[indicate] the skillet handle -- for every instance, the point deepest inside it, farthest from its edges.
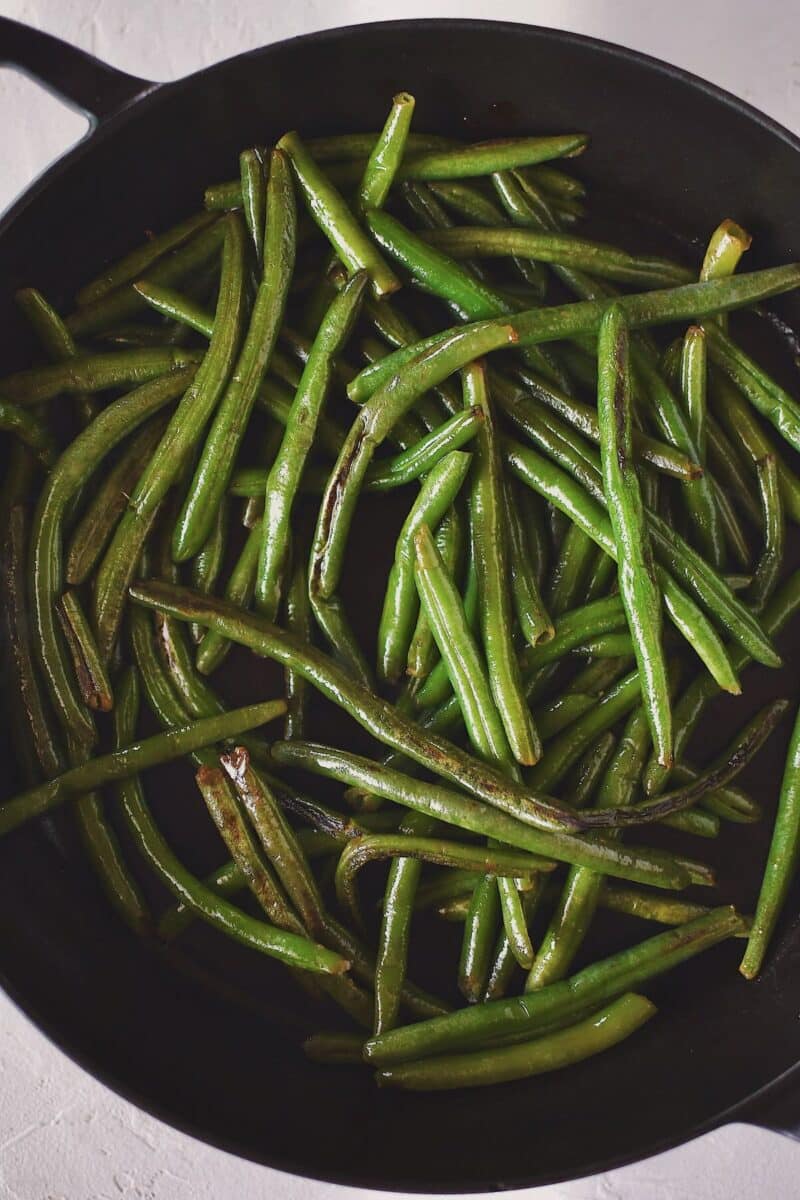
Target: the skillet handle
(72, 75)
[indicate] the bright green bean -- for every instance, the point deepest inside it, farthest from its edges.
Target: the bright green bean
(330, 212)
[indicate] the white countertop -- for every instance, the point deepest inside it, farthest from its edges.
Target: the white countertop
(63, 1136)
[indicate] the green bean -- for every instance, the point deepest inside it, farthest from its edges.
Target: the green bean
(589, 769)
(206, 566)
(478, 940)
(67, 477)
(551, 718)
(482, 158)
(723, 769)
(230, 420)
(694, 821)
(90, 536)
(120, 764)
(30, 430)
(227, 879)
(646, 866)
(205, 903)
(487, 503)
(123, 302)
(725, 247)
(30, 720)
(554, 182)
(601, 578)
(594, 1034)
(745, 431)
(139, 260)
(93, 372)
(608, 645)
(765, 395)
(727, 802)
(565, 750)
(339, 1049)
(214, 647)
(332, 620)
(56, 341)
(183, 432)
(396, 329)
(534, 619)
(330, 212)
(688, 566)
(340, 146)
(631, 902)
(237, 836)
(569, 570)
(178, 307)
(693, 384)
(769, 566)
(580, 896)
(584, 419)
(386, 154)
(698, 494)
(595, 257)
(781, 863)
(573, 629)
(730, 469)
(437, 687)
(254, 196)
(465, 293)
(422, 651)
(467, 201)
(779, 611)
(710, 588)
(393, 940)
(495, 860)
(90, 672)
(411, 426)
(636, 575)
(459, 650)
(284, 477)
(374, 421)
(535, 326)
(731, 527)
(298, 622)
(545, 478)
(522, 1017)
(400, 606)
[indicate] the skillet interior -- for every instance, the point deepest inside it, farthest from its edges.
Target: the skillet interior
(217, 1053)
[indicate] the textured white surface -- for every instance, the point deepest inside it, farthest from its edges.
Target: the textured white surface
(63, 1136)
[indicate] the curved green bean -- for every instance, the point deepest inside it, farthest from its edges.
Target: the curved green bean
(550, 1052)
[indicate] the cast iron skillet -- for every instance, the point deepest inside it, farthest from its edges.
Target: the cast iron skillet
(208, 1042)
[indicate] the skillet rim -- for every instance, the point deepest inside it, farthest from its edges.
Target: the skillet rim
(744, 1109)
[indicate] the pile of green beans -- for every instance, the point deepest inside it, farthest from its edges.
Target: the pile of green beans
(583, 517)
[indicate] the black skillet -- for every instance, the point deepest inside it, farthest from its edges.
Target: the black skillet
(208, 1040)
